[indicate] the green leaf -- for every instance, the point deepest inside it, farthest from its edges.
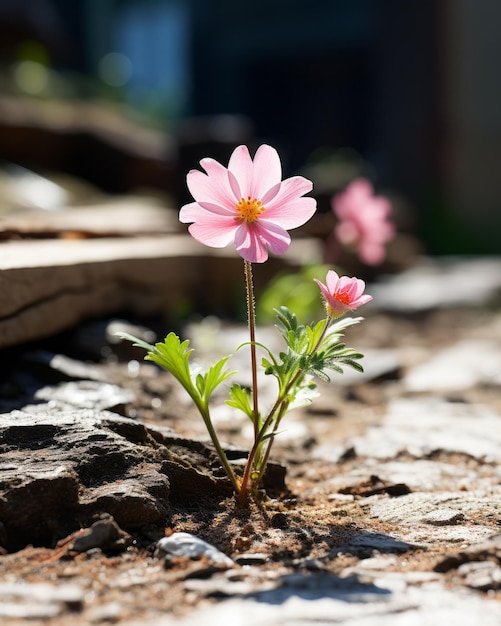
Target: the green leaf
(314, 333)
(239, 398)
(174, 356)
(356, 366)
(214, 376)
(286, 320)
(272, 434)
(136, 342)
(267, 366)
(290, 361)
(319, 373)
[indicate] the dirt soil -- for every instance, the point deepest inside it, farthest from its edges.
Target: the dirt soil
(297, 529)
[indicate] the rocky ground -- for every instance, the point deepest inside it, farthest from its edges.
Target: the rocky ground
(383, 505)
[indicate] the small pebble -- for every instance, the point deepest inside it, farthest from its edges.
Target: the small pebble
(443, 517)
(185, 544)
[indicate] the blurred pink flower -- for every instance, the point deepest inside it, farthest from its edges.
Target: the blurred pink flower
(363, 221)
(342, 294)
(247, 204)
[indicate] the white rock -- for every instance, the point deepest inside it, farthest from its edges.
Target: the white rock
(422, 425)
(462, 366)
(439, 284)
(186, 544)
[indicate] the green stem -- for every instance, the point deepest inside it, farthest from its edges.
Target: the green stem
(280, 405)
(328, 322)
(282, 410)
(251, 317)
(263, 462)
(204, 411)
(257, 442)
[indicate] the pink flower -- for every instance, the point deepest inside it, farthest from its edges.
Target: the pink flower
(342, 294)
(363, 220)
(247, 204)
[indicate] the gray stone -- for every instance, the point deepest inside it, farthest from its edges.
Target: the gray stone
(414, 515)
(365, 543)
(82, 394)
(48, 286)
(419, 507)
(490, 549)
(349, 602)
(419, 475)
(104, 533)
(443, 517)
(420, 426)
(481, 575)
(440, 283)
(80, 463)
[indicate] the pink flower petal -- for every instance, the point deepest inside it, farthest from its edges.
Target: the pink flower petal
(252, 241)
(219, 176)
(276, 237)
(270, 194)
(363, 299)
(346, 232)
(207, 188)
(190, 213)
(267, 171)
(361, 189)
(216, 220)
(235, 187)
(371, 253)
(215, 232)
(351, 289)
(342, 294)
(242, 168)
(363, 220)
(332, 281)
(323, 288)
(296, 213)
(357, 288)
(216, 208)
(343, 283)
(290, 189)
(249, 245)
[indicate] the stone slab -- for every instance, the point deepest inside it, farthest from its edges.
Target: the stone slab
(50, 285)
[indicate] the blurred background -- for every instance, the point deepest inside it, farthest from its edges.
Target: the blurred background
(130, 94)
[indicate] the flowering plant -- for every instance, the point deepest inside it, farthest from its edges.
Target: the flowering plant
(248, 204)
(363, 221)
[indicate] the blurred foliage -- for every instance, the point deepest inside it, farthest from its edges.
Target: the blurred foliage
(297, 291)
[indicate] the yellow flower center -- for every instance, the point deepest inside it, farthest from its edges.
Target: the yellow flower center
(344, 298)
(249, 209)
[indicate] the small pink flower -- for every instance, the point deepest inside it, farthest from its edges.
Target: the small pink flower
(247, 204)
(363, 220)
(342, 294)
